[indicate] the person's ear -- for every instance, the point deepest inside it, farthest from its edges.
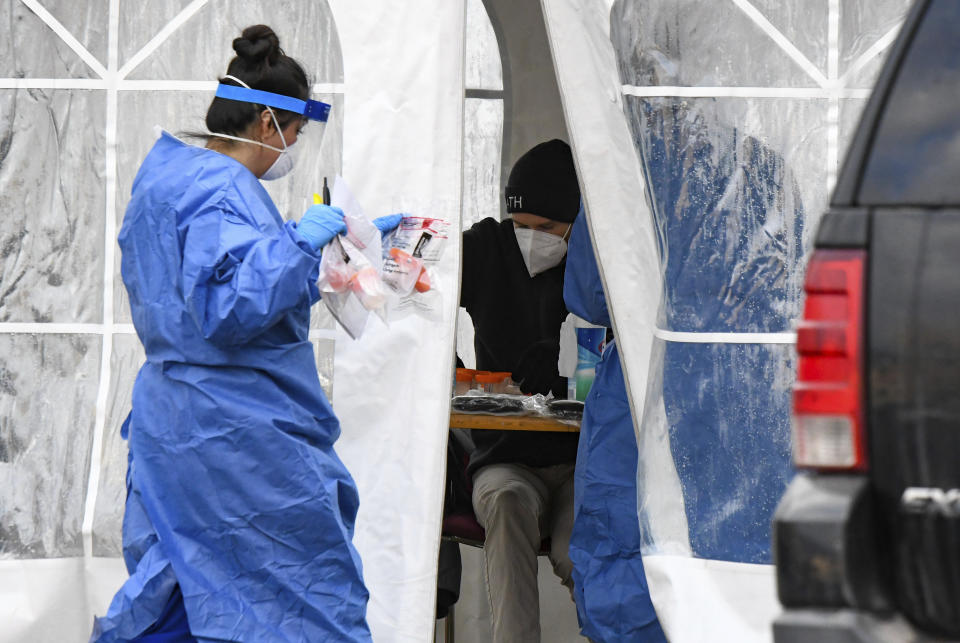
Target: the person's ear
(266, 124)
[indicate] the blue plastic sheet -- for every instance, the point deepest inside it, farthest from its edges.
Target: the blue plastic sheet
(727, 407)
(730, 214)
(610, 586)
(731, 222)
(235, 494)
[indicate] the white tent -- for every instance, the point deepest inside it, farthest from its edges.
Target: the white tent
(706, 135)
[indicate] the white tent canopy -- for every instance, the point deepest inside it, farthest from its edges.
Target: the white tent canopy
(707, 137)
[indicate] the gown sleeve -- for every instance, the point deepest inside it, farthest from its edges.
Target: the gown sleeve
(582, 286)
(238, 280)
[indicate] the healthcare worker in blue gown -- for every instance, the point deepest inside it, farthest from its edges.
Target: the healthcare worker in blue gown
(610, 587)
(239, 514)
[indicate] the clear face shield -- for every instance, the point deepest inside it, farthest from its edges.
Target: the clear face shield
(310, 126)
(308, 149)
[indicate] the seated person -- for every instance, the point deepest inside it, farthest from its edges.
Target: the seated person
(512, 286)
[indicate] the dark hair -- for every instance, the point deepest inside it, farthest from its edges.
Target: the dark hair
(261, 64)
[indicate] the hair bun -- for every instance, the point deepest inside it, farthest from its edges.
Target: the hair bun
(258, 43)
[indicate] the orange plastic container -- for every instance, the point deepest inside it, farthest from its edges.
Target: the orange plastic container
(506, 384)
(464, 381)
(489, 382)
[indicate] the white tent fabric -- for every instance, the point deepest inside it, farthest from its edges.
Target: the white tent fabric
(404, 124)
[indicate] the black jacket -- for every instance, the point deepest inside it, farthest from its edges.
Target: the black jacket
(510, 312)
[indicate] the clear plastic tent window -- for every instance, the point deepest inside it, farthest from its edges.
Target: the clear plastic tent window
(738, 132)
(708, 137)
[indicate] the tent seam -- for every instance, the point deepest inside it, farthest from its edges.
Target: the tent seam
(109, 243)
(161, 36)
(724, 338)
(57, 27)
(781, 40)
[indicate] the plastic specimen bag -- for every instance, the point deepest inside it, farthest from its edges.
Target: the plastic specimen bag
(350, 266)
(361, 273)
(409, 265)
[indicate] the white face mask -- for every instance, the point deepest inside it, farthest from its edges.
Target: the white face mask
(541, 250)
(284, 163)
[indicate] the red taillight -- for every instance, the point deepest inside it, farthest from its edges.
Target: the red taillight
(828, 428)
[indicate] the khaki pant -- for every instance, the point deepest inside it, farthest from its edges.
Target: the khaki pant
(518, 507)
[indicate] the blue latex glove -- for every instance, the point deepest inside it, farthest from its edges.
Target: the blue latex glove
(320, 224)
(387, 224)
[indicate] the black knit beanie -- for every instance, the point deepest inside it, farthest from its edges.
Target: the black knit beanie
(544, 182)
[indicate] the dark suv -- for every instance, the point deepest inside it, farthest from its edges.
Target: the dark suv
(867, 541)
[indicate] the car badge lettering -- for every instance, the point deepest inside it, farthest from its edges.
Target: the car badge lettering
(926, 500)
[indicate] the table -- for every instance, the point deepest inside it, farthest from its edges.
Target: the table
(509, 423)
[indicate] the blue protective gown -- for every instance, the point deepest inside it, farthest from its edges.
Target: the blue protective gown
(236, 497)
(610, 587)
